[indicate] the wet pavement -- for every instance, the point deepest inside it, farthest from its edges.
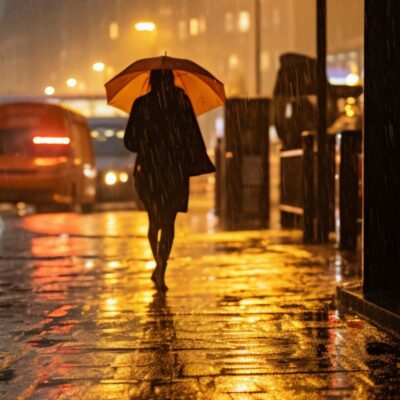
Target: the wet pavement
(249, 315)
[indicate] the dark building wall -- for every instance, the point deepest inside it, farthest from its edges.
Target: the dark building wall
(382, 148)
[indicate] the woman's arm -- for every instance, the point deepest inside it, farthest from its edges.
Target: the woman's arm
(198, 160)
(130, 136)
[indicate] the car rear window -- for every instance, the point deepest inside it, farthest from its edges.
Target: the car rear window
(27, 142)
(109, 142)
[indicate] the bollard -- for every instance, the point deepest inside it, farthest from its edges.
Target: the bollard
(348, 189)
(331, 180)
(308, 186)
(245, 182)
(218, 176)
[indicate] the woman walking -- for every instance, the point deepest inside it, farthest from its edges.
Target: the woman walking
(163, 130)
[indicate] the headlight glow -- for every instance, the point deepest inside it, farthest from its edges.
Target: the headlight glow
(110, 178)
(89, 171)
(123, 177)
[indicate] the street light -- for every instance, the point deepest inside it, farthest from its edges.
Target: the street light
(145, 26)
(98, 66)
(103, 72)
(49, 90)
(147, 36)
(352, 79)
(71, 82)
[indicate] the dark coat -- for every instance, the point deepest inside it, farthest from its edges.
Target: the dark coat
(163, 130)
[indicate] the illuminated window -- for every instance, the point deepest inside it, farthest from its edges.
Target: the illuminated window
(244, 21)
(229, 22)
(265, 61)
(182, 30)
(113, 31)
(233, 61)
(166, 11)
(194, 26)
(276, 16)
(202, 25)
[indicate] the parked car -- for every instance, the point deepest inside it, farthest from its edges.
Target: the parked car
(46, 157)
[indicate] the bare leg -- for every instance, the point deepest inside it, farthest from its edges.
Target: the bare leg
(164, 250)
(153, 240)
(153, 236)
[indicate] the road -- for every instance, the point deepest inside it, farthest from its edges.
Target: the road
(249, 315)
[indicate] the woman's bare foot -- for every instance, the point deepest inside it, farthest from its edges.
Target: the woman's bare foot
(154, 274)
(160, 285)
(158, 278)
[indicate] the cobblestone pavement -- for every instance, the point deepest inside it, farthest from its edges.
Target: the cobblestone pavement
(249, 315)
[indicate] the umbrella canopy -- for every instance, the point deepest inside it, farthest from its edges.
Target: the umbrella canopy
(203, 89)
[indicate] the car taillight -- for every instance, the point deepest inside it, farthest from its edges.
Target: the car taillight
(51, 140)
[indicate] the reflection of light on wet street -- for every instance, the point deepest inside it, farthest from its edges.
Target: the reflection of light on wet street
(248, 314)
(89, 264)
(113, 264)
(111, 307)
(150, 265)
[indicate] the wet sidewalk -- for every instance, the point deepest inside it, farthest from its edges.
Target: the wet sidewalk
(249, 315)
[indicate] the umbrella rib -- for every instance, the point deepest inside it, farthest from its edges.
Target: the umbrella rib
(145, 82)
(200, 76)
(184, 86)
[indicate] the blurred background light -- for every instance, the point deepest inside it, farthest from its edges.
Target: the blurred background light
(194, 26)
(49, 90)
(98, 66)
(145, 26)
(113, 31)
(71, 82)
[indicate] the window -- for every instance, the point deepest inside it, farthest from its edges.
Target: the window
(202, 25)
(194, 26)
(244, 21)
(276, 16)
(229, 22)
(233, 61)
(182, 30)
(113, 30)
(265, 60)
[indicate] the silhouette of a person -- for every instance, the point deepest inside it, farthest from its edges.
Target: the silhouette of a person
(163, 130)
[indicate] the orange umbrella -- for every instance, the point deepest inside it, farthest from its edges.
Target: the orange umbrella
(203, 89)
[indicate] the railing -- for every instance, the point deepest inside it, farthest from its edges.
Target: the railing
(298, 187)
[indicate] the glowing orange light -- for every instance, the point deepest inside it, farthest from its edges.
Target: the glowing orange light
(46, 161)
(98, 66)
(49, 90)
(51, 140)
(145, 26)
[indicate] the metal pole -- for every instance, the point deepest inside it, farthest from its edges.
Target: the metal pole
(257, 45)
(308, 186)
(323, 189)
(348, 189)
